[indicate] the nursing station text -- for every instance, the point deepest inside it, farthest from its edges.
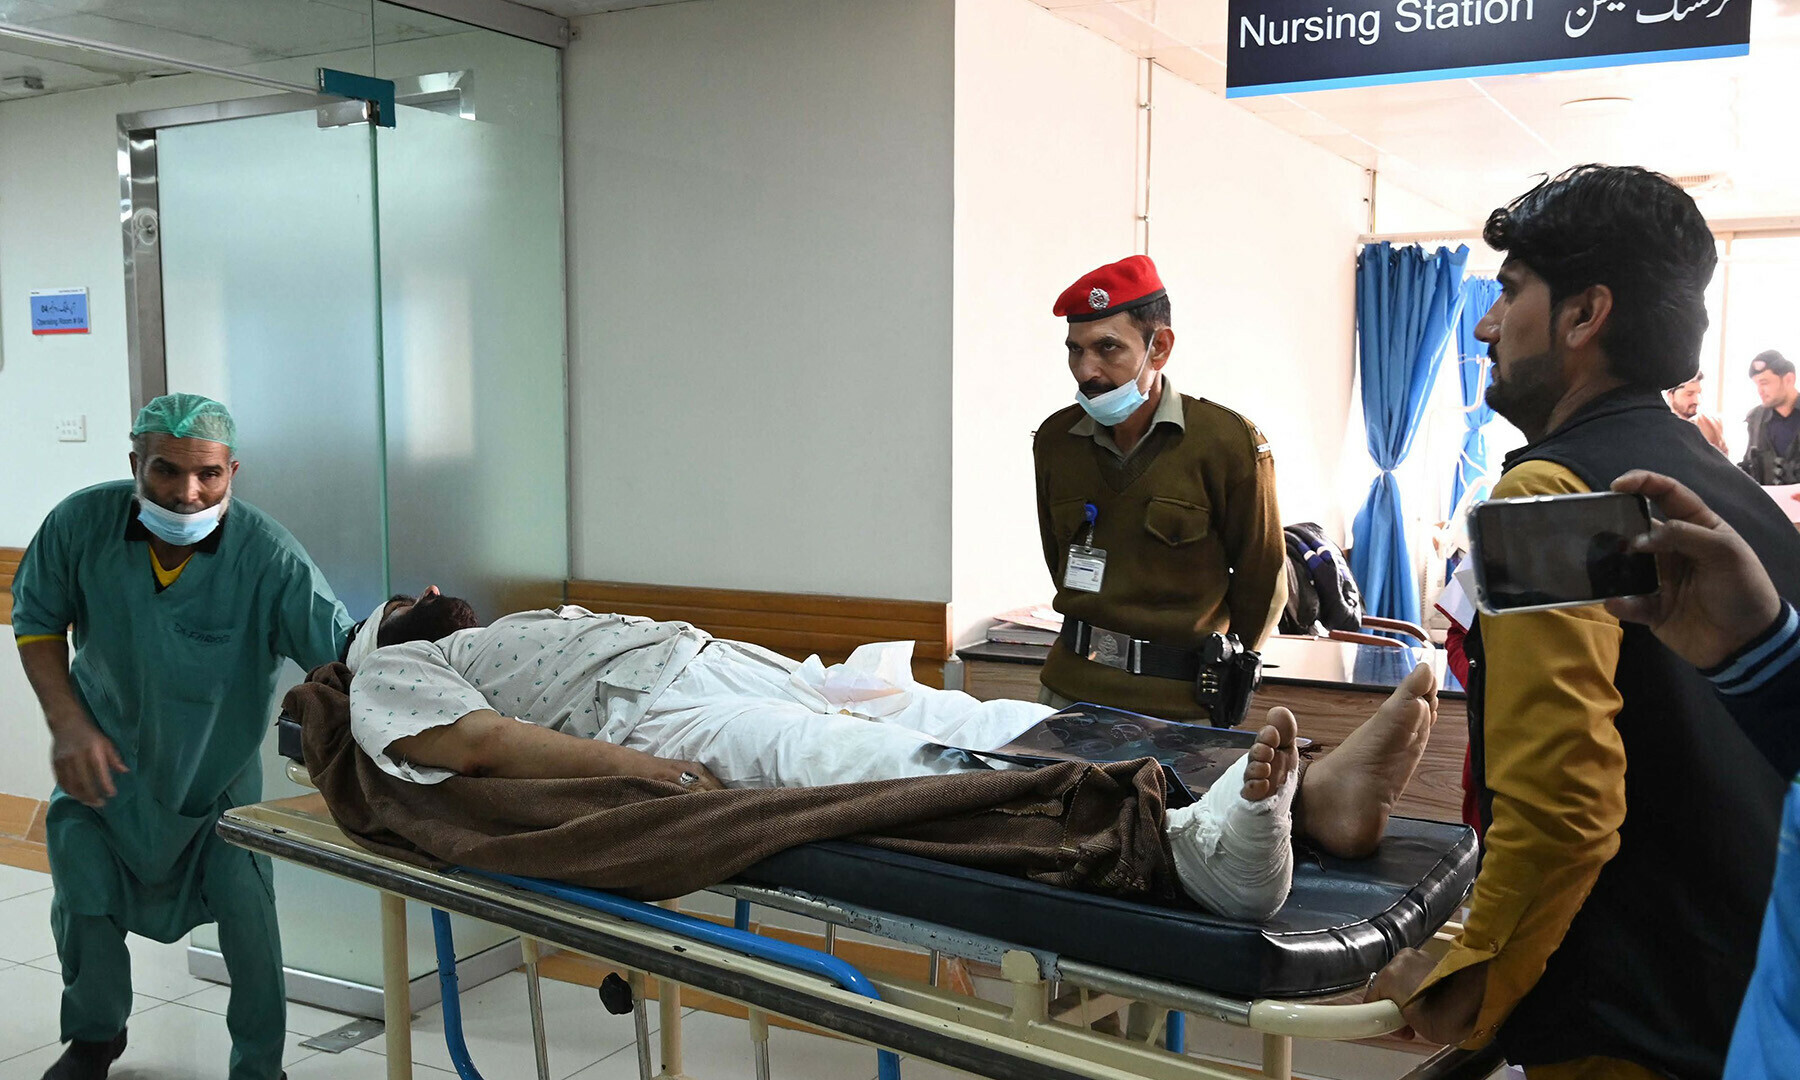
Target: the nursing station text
(1288, 46)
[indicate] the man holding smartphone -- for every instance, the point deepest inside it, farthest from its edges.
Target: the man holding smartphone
(1612, 930)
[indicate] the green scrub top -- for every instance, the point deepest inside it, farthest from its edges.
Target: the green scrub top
(182, 680)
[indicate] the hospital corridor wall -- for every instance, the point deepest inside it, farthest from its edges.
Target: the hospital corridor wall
(813, 249)
(466, 329)
(1252, 228)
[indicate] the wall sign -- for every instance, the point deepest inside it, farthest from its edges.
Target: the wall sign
(59, 311)
(1285, 46)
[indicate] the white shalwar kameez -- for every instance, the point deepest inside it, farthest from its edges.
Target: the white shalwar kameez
(674, 691)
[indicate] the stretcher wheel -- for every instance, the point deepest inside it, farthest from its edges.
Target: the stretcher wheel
(615, 995)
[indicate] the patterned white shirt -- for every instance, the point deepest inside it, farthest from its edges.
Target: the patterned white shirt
(569, 670)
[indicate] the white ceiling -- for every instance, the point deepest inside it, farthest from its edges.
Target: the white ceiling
(1466, 145)
(234, 34)
(1471, 144)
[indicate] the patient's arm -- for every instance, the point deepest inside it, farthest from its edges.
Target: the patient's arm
(484, 743)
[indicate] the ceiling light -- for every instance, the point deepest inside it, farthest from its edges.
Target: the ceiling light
(1598, 104)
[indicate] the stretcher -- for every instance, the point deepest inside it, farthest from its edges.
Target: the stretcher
(1342, 923)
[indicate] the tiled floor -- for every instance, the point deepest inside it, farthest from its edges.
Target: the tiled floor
(178, 1032)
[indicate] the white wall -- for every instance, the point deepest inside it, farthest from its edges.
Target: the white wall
(759, 221)
(59, 227)
(1046, 189)
(1255, 232)
(1253, 229)
(1399, 209)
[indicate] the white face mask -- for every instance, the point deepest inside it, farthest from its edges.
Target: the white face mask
(173, 527)
(1121, 401)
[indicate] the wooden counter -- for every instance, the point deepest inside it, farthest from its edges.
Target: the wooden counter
(1330, 686)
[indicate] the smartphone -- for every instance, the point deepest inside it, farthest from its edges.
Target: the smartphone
(1558, 551)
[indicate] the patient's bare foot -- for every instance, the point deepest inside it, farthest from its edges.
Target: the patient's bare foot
(1346, 796)
(1272, 758)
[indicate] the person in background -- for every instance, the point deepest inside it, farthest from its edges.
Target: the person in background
(183, 603)
(1684, 401)
(1718, 610)
(1630, 825)
(1156, 510)
(1772, 455)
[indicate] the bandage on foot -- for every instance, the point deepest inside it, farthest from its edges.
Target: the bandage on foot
(1234, 854)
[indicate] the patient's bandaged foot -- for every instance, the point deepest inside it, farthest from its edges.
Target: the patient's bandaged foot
(1234, 855)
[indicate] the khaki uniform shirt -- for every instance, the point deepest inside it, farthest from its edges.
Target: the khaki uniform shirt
(1192, 533)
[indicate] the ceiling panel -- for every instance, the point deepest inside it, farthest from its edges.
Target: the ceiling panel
(1469, 144)
(234, 34)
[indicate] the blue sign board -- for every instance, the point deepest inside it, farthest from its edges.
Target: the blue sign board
(59, 311)
(1285, 46)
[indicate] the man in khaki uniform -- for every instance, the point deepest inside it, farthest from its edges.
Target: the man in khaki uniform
(1157, 510)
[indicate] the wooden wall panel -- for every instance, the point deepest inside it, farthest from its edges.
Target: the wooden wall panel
(9, 565)
(793, 624)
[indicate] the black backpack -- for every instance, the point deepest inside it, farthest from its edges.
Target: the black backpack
(1321, 593)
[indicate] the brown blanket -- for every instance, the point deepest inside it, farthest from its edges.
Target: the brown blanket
(1089, 827)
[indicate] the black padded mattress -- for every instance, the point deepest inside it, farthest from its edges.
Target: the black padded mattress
(1343, 921)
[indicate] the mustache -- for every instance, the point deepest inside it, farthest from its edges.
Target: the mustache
(1096, 387)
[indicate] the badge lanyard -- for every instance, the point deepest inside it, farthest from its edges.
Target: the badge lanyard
(1086, 567)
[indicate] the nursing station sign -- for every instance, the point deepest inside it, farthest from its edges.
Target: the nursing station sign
(1286, 46)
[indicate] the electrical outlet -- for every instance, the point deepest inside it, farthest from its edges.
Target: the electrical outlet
(71, 429)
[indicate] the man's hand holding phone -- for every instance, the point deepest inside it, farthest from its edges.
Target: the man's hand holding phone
(1715, 596)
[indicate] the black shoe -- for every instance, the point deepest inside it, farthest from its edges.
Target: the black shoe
(87, 1060)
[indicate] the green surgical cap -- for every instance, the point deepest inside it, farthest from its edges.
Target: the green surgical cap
(186, 416)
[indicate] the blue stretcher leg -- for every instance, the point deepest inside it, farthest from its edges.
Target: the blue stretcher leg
(453, 1028)
(794, 956)
(1175, 1036)
(740, 916)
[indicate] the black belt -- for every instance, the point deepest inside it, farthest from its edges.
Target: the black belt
(1132, 655)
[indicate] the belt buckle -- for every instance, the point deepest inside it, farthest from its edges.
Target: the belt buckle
(1110, 648)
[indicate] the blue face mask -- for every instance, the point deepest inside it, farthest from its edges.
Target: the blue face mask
(1118, 403)
(181, 530)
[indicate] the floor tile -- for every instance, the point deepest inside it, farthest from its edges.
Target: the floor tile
(25, 855)
(497, 1026)
(17, 814)
(15, 881)
(302, 1020)
(719, 1047)
(25, 927)
(167, 1042)
(356, 1064)
(32, 998)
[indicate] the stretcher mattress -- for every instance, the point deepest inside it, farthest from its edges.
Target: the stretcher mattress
(1343, 921)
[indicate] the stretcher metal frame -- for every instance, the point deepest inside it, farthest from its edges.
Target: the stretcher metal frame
(1023, 1041)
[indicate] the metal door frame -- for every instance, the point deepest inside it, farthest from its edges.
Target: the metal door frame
(140, 210)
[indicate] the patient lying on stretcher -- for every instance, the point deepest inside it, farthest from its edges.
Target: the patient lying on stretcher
(570, 693)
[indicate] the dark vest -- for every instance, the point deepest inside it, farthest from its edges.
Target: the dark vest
(1656, 962)
(1764, 463)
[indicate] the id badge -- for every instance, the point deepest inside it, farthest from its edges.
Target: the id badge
(1086, 568)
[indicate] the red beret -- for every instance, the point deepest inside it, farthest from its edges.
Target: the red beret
(1121, 286)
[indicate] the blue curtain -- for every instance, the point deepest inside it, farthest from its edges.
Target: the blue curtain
(1407, 303)
(1479, 295)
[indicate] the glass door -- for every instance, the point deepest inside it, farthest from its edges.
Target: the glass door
(267, 272)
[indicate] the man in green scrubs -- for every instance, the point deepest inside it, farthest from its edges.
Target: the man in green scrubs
(183, 603)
